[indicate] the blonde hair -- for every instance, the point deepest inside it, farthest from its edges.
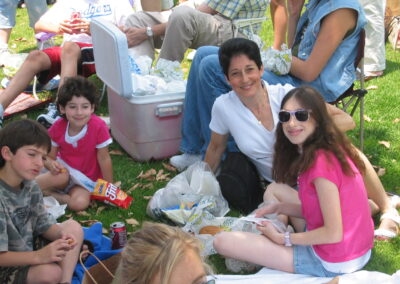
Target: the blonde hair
(156, 248)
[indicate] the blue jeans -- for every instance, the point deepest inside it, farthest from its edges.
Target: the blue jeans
(206, 82)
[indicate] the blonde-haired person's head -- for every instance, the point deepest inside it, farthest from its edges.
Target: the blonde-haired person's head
(161, 254)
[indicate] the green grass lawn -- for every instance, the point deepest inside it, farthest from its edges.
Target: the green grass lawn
(382, 112)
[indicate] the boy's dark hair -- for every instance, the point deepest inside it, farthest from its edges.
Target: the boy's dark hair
(77, 86)
(235, 47)
(23, 132)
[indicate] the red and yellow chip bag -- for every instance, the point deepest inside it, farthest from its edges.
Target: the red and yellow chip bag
(110, 194)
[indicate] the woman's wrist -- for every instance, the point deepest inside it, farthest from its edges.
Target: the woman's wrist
(287, 240)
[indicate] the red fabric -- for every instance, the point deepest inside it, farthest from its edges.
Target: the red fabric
(54, 53)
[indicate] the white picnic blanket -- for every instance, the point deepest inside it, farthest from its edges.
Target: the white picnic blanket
(270, 276)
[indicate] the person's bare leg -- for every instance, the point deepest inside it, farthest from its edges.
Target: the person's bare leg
(254, 248)
(49, 181)
(376, 192)
(50, 184)
(36, 62)
(70, 56)
(79, 198)
(69, 262)
(4, 36)
(283, 193)
(279, 21)
(44, 273)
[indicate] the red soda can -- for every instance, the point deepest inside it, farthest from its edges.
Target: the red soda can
(75, 15)
(118, 235)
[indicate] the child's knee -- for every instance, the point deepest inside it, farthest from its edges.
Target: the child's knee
(60, 181)
(269, 191)
(70, 49)
(36, 59)
(45, 274)
(79, 202)
(72, 227)
(219, 242)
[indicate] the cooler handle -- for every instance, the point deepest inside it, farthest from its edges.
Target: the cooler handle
(171, 109)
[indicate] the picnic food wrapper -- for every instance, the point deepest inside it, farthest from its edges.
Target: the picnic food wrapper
(110, 194)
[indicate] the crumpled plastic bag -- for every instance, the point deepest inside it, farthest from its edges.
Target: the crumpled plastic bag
(12, 62)
(169, 70)
(185, 192)
(277, 61)
(53, 207)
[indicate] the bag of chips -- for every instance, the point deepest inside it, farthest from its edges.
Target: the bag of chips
(110, 194)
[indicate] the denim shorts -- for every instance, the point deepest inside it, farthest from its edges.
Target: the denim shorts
(7, 13)
(305, 262)
(8, 9)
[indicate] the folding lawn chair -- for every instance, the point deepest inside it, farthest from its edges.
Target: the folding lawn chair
(353, 97)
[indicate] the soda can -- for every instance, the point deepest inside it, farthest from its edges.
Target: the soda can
(118, 235)
(75, 15)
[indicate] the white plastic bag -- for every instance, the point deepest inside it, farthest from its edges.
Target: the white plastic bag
(183, 194)
(53, 207)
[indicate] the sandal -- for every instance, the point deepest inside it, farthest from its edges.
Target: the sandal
(386, 234)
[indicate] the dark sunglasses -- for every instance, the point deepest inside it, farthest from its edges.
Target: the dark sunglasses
(300, 114)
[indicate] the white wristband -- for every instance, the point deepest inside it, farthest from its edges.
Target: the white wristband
(288, 242)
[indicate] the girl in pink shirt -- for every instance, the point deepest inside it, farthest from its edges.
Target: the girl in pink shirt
(80, 142)
(330, 213)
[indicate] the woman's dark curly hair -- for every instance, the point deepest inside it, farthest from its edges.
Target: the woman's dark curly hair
(289, 162)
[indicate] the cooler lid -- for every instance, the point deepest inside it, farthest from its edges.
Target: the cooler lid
(110, 48)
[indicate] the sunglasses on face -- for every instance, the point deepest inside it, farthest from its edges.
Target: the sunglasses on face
(301, 115)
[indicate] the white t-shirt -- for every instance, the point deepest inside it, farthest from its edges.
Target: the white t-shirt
(115, 11)
(230, 115)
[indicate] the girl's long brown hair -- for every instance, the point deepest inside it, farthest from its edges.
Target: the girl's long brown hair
(289, 162)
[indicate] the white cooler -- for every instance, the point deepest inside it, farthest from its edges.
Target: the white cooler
(147, 127)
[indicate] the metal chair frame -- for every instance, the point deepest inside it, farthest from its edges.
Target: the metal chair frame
(352, 98)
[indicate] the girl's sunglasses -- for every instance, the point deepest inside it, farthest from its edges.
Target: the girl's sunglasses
(300, 114)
